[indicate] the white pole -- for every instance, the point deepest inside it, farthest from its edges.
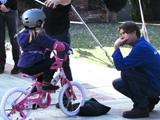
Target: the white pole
(144, 29)
(87, 29)
(40, 2)
(91, 33)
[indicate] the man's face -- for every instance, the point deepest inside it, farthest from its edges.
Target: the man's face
(129, 36)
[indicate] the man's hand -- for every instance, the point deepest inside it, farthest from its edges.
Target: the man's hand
(4, 8)
(119, 42)
(52, 3)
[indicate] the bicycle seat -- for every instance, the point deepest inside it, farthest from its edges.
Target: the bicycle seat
(33, 77)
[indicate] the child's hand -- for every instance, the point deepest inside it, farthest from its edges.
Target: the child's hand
(68, 50)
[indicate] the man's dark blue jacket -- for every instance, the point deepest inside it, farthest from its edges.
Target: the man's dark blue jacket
(143, 58)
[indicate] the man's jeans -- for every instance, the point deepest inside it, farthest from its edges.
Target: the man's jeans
(136, 86)
(63, 37)
(9, 19)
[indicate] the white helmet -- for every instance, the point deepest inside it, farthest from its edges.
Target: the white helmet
(31, 16)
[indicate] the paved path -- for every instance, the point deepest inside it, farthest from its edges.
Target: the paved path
(97, 82)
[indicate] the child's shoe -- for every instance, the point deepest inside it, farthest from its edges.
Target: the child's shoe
(49, 87)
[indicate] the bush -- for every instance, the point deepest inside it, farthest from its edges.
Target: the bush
(96, 4)
(115, 5)
(146, 7)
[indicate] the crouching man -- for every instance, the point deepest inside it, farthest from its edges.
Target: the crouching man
(140, 71)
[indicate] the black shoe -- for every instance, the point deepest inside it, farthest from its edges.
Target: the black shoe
(1, 69)
(46, 80)
(137, 113)
(35, 106)
(49, 87)
(152, 103)
(64, 100)
(66, 105)
(57, 105)
(15, 70)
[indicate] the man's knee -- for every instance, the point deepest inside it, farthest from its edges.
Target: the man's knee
(116, 83)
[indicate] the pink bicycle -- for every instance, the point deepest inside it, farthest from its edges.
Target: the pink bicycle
(16, 104)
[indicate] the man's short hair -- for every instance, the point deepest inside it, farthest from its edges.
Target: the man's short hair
(129, 27)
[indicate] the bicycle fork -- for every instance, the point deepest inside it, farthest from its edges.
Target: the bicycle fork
(61, 75)
(70, 86)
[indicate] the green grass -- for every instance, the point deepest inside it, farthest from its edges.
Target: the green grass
(85, 47)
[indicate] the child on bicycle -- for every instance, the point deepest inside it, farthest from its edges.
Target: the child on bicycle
(33, 42)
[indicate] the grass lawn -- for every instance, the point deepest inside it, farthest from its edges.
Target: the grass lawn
(85, 47)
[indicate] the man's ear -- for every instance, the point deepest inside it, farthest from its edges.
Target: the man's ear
(134, 32)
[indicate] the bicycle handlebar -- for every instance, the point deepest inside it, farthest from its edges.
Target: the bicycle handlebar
(57, 58)
(58, 61)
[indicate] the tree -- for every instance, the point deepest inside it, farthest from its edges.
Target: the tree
(146, 7)
(96, 4)
(115, 6)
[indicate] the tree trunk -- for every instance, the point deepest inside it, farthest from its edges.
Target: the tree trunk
(113, 17)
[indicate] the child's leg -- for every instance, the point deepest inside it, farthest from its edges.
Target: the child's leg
(47, 86)
(48, 75)
(43, 66)
(39, 67)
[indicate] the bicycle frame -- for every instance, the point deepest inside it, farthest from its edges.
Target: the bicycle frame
(43, 98)
(33, 98)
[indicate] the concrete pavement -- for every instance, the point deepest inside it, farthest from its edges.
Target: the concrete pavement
(95, 79)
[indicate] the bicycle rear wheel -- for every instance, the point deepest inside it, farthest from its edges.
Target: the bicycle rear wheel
(71, 107)
(8, 102)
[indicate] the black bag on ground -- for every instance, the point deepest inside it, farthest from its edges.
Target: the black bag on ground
(93, 108)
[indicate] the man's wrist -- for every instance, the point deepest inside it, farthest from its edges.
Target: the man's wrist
(116, 46)
(64, 2)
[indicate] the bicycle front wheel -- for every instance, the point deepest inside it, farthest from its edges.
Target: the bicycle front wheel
(8, 102)
(69, 106)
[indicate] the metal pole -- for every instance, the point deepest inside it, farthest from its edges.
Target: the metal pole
(87, 29)
(86, 26)
(144, 29)
(40, 2)
(91, 33)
